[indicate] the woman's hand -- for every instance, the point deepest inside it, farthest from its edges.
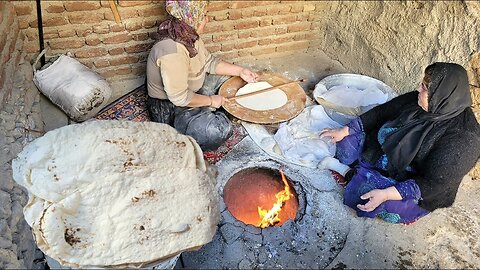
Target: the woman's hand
(217, 101)
(248, 75)
(376, 197)
(337, 134)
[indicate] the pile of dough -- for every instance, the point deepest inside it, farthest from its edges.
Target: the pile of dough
(117, 194)
(269, 100)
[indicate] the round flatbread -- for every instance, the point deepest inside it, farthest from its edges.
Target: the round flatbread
(269, 100)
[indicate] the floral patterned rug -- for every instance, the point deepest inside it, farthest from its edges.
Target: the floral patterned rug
(132, 107)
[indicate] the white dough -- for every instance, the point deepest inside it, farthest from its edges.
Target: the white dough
(269, 100)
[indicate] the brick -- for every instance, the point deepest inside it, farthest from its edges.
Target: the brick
(85, 18)
(133, 25)
(149, 23)
(242, 4)
(10, 20)
(139, 48)
(212, 28)
(84, 31)
(66, 44)
(265, 32)
(124, 60)
(92, 40)
(229, 55)
(3, 41)
(22, 24)
(224, 37)
(266, 22)
(86, 62)
(214, 48)
(21, 9)
(218, 5)
(207, 39)
(116, 51)
(52, 22)
(227, 47)
(281, 30)
(33, 24)
(220, 17)
(246, 25)
(284, 19)
(261, 51)
(91, 52)
(50, 35)
(104, 3)
(246, 44)
(244, 53)
(260, 12)
(116, 28)
(121, 38)
(101, 29)
(150, 12)
(31, 47)
(234, 14)
(247, 13)
(301, 26)
(244, 34)
(296, 7)
(100, 63)
(31, 34)
(130, 3)
(278, 9)
(81, 5)
(66, 33)
(228, 25)
(140, 37)
(115, 72)
(55, 8)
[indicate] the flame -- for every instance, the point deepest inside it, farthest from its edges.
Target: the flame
(270, 217)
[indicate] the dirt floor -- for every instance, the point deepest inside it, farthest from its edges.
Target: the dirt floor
(446, 238)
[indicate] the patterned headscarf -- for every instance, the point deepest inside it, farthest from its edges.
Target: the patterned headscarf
(184, 17)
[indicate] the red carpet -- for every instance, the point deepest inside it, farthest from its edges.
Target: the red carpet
(132, 107)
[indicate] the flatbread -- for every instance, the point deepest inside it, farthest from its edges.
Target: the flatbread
(117, 193)
(269, 100)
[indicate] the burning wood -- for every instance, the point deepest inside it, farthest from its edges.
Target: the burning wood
(270, 217)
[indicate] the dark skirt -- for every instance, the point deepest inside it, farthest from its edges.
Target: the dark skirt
(208, 127)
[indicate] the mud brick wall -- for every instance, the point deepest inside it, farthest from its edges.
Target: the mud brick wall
(237, 30)
(11, 43)
(19, 112)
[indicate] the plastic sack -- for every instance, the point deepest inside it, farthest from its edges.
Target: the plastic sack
(77, 90)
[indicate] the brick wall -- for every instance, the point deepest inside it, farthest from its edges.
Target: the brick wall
(11, 43)
(237, 30)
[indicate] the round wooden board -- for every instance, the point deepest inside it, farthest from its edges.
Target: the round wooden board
(294, 106)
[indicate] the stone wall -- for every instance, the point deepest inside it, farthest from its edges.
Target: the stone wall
(20, 122)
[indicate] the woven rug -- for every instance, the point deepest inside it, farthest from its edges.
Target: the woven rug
(132, 107)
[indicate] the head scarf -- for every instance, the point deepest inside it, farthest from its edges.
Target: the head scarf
(184, 17)
(448, 96)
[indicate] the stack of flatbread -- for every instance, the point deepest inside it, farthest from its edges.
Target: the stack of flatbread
(117, 194)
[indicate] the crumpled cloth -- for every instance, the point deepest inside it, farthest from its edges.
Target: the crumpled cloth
(299, 139)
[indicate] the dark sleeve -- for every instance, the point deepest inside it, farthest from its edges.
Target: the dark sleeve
(440, 174)
(377, 116)
(409, 190)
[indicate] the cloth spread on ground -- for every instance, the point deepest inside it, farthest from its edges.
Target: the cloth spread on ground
(132, 107)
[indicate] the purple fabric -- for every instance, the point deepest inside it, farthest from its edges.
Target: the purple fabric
(180, 32)
(367, 178)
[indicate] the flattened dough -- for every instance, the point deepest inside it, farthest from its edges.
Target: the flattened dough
(270, 100)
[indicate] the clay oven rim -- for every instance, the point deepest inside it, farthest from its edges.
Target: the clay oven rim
(292, 178)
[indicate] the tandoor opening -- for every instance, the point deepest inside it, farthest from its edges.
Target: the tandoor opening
(261, 197)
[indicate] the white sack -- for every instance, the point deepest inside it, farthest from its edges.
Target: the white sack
(77, 90)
